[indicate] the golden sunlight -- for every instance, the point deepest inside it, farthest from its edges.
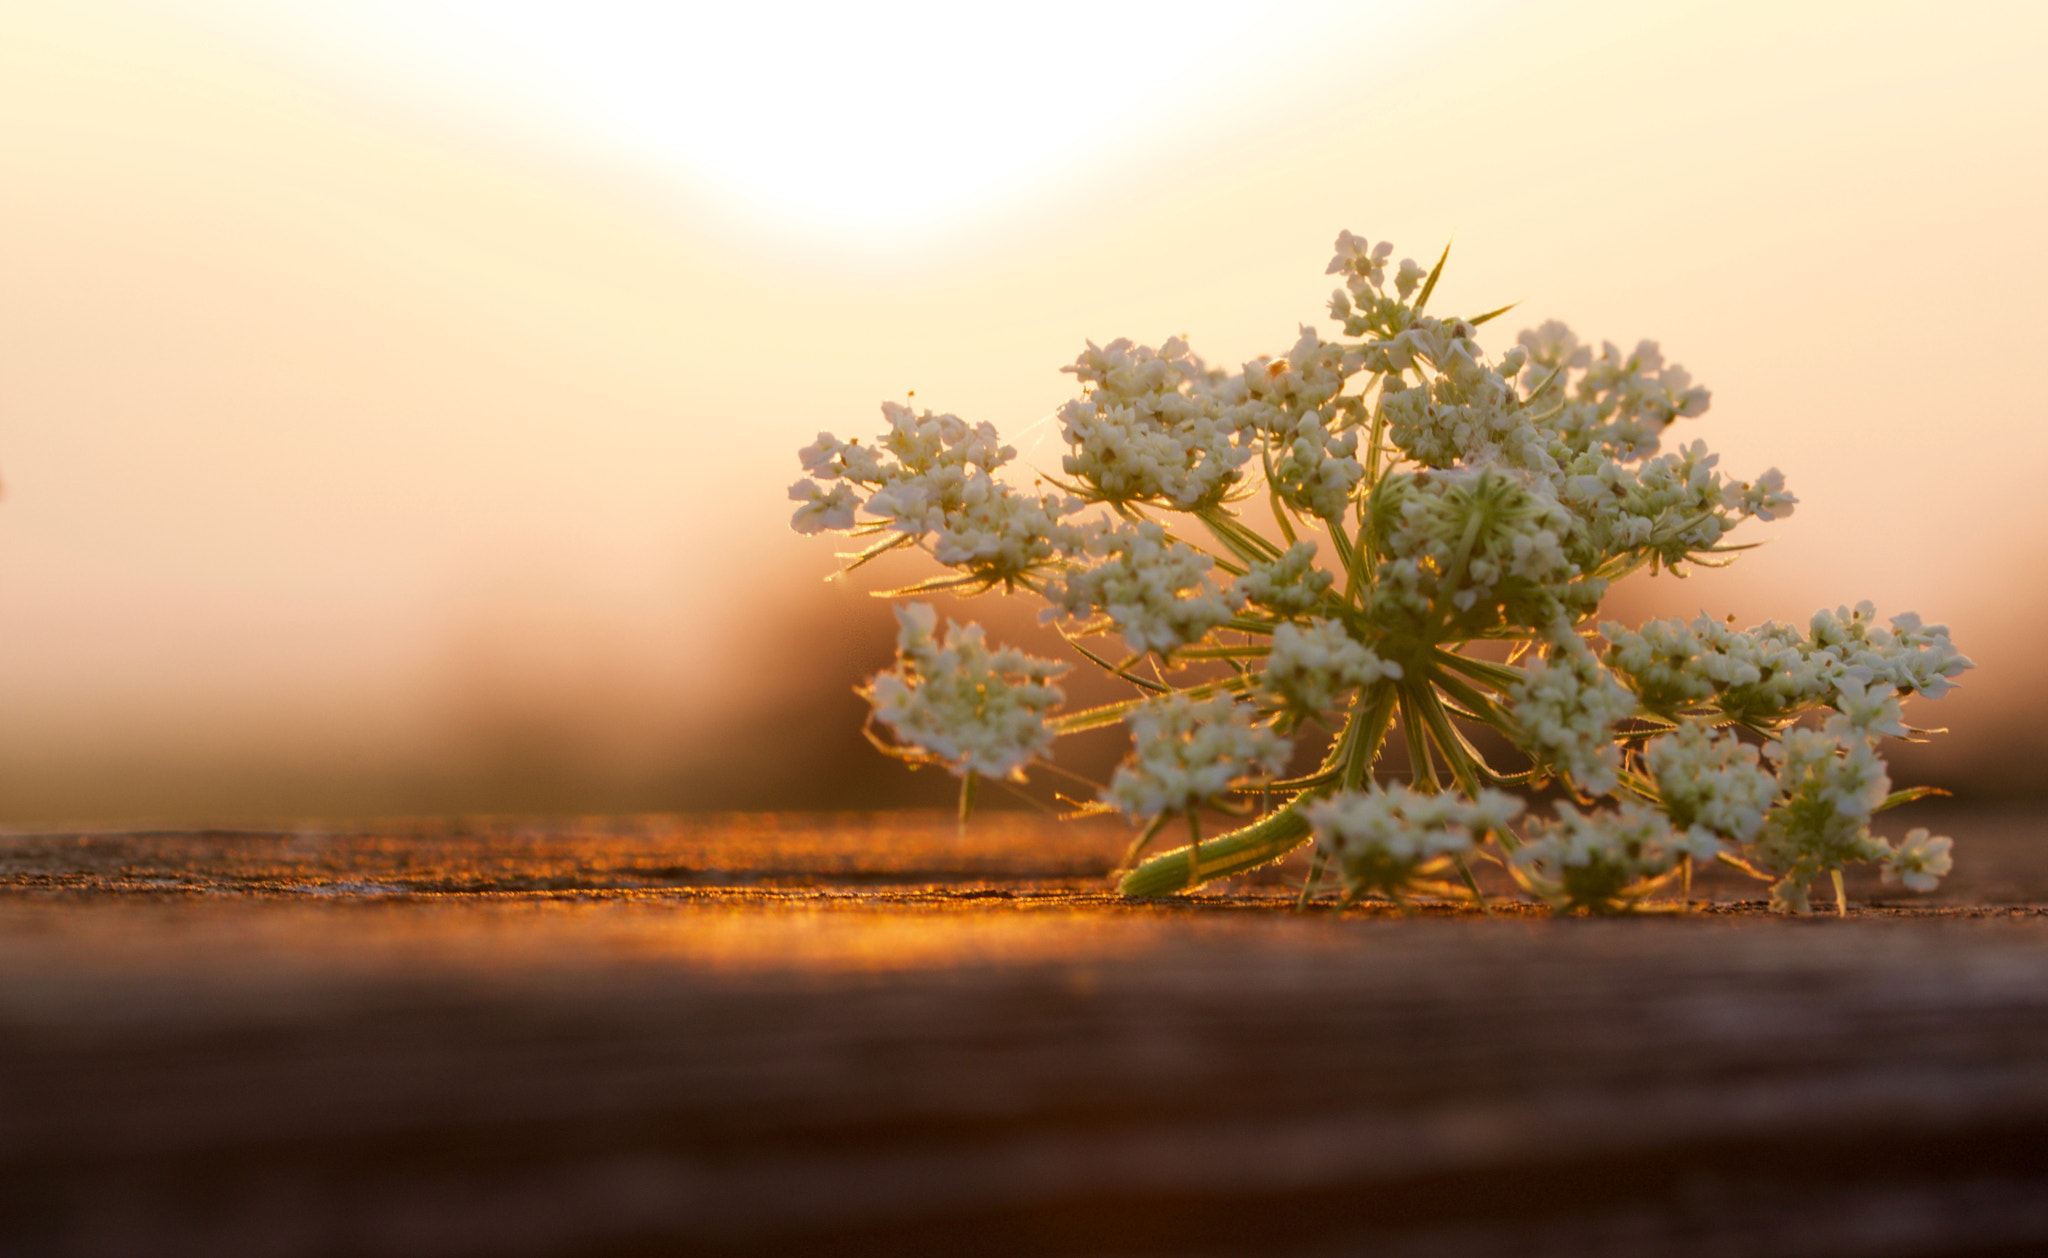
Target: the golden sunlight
(871, 121)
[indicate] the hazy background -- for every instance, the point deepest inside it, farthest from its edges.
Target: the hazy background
(397, 400)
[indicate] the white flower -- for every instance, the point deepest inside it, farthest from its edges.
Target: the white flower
(932, 477)
(1765, 497)
(1185, 751)
(1554, 348)
(1291, 585)
(1409, 278)
(1150, 428)
(1661, 662)
(1463, 498)
(822, 509)
(1830, 781)
(1472, 548)
(1919, 861)
(1871, 710)
(1911, 657)
(1603, 860)
(1382, 839)
(1317, 470)
(1155, 589)
(968, 707)
(1313, 667)
(1565, 709)
(1362, 263)
(1713, 781)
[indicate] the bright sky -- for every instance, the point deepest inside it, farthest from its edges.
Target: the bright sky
(373, 372)
(859, 122)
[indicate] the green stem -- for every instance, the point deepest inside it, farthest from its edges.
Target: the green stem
(1472, 884)
(1143, 841)
(1421, 766)
(1447, 739)
(1315, 878)
(1240, 541)
(1367, 731)
(1273, 493)
(1260, 843)
(1499, 676)
(1277, 833)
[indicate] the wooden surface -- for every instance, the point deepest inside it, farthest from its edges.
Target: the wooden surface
(801, 1036)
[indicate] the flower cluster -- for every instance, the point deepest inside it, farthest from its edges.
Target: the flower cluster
(1760, 676)
(1147, 430)
(1312, 668)
(932, 478)
(1605, 860)
(959, 703)
(1390, 841)
(1389, 533)
(1188, 750)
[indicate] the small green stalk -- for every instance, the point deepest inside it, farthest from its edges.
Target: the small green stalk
(1315, 878)
(1277, 833)
(966, 801)
(1472, 884)
(1260, 843)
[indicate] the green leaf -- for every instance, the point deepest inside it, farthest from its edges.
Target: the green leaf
(1910, 794)
(934, 585)
(877, 550)
(1111, 713)
(1115, 670)
(1429, 285)
(1491, 315)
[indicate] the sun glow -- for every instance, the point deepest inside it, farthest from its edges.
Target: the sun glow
(876, 120)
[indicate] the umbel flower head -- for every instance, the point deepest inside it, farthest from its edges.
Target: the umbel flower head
(1387, 532)
(961, 704)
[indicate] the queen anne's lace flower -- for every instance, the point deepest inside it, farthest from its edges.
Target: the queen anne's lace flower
(1291, 585)
(1830, 781)
(1470, 550)
(1565, 709)
(1870, 710)
(1429, 495)
(1910, 657)
(1317, 470)
(933, 477)
(1382, 840)
(1186, 751)
(1661, 662)
(1151, 427)
(823, 509)
(1919, 861)
(1361, 263)
(962, 704)
(1713, 781)
(1600, 861)
(1762, 676)
(1274, 395)
(1155, 589)
(1314, 667)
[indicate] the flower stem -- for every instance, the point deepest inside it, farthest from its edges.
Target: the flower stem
(966, 801)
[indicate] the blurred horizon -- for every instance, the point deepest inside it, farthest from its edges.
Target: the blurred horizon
(397, 401)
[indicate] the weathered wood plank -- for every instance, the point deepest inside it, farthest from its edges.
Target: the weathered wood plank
(522, 1041)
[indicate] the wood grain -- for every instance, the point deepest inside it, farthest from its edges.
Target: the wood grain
(808, 1036)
